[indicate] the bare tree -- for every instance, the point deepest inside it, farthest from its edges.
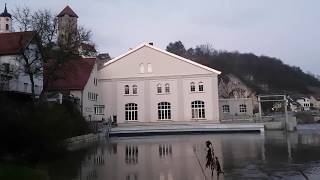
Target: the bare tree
(50, 55)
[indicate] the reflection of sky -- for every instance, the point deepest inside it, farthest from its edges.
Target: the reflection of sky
(286, 29)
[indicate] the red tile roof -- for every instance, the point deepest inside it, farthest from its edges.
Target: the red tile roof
(73, 75)
(13, 43)
(67, 11)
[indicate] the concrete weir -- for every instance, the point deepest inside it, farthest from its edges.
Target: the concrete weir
(169, 129)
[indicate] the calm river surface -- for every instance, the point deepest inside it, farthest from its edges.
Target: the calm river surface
(273, 155)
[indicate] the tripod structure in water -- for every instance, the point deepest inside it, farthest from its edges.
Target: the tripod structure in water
(212, 161)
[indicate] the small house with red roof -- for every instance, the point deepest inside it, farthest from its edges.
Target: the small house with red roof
(78, 79)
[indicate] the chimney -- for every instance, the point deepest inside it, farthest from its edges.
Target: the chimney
(151, 43)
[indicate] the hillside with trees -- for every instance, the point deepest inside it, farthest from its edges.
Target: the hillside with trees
(263, 74)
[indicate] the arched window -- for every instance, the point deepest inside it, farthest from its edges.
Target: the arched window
(126, 89)
(200, 87)
(141, 68)
(243, 108)
(225, 108)
(7, 26)
(149, 66)
(167, 87)
(159, 89)
(192, 87)
(164, 111)
(198, 110)
(134, 89)
(131, 112)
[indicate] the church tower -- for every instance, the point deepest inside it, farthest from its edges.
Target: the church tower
(5, 21)
(67, 26)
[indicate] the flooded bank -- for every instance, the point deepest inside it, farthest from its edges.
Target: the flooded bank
(273, 155)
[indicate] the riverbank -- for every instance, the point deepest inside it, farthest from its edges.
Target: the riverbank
(15, 172)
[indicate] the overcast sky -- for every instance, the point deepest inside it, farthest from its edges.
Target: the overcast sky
(286, 29)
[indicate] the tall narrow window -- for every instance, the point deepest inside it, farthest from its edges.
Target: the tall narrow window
(134, 89)
(126, 89)
(141, 67)
(149, 68)
(192, 87)
(225, 108)
(25, 87)
(200, 86)
(159, 89)
(131, 112)
(167, 88)
(198, 110)
(164, 111)
(7, 26)
(243, 108)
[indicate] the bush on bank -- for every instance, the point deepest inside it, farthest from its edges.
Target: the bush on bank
(32, 130)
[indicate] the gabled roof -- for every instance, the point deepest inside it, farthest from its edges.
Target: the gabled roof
(67, 11)
(13, 43)
(73, 75)
(164, 52)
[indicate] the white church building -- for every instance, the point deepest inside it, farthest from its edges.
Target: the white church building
(148, 85)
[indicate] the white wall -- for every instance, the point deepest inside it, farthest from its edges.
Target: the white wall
(20, 81)
(165, 69)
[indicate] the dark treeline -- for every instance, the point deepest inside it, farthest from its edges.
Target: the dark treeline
(261, 73)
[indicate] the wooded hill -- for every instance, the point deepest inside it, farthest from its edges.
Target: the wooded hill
(263, 74)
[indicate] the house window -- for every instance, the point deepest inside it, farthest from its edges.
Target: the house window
(149, 68)
(132, 153)
(25, 87)
(6, 67)
(164, 111)
(198, 110)
(141, 68)
(99, 109)
(167, 88)
(131, 112)
(92, 96)
(159, 89)
(243, 108)
(95, 81)
(192, 87)
(134, 89)
(7, 26)
(200, 86)
(126, 89)
(225, 108)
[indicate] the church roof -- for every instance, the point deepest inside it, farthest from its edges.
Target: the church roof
(5, 12)
(73, 75)
(67, 11)
(13, 43)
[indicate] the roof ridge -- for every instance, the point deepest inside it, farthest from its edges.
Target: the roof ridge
(165, 52)
(67, 10)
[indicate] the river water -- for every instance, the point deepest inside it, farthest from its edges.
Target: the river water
(272, 155)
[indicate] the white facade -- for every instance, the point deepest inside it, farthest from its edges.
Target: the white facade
(305, 103)
(130, 86)
(90, 102)
(13, 77)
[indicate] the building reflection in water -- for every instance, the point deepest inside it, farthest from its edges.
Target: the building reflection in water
(165, 150)
(132, 154)
(242, 156)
